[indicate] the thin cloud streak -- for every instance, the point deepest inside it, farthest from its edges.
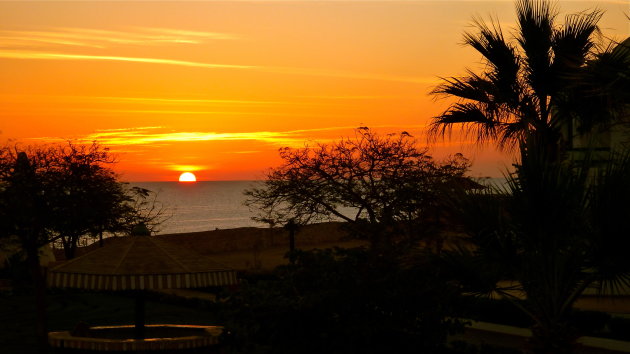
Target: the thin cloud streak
(243, 152)
(306, 100)
(17, 41)
(96, 38)
(187, 100)
(9, 54)
(209, 113)
(138, 138)
(149, 136)
(183, 168)
(352, 98)
(149, 100)
(180, 32)
(129, 129)
(15, 54)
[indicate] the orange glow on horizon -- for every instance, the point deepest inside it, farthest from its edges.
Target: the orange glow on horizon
(215, 88)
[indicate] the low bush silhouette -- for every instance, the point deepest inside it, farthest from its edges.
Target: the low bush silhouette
(342, 301)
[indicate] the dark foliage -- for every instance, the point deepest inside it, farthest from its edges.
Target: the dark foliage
(67, 193)
(540, 243)
(342, 301)
(382, 186)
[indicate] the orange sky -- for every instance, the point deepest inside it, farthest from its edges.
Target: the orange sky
(218, 87)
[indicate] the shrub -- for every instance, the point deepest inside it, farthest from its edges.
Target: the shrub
(342, 301)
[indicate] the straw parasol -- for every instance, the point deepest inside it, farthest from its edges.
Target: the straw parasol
(141, 263)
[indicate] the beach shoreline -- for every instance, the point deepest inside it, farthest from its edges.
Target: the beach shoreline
(251, 248)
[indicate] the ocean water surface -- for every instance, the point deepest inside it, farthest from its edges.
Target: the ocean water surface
(202, 206)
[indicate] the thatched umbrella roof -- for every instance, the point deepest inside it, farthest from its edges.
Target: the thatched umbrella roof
(138, 263)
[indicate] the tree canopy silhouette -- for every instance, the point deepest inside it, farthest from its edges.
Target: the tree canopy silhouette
(381, 185)
(87, 196)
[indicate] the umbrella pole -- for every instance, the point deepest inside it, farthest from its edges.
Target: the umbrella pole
(139, 314)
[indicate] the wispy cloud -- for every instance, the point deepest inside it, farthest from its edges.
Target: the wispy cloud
(185, 100)
(159, 135)
(15, 54)
(243, 152)
(176, 101)
(97, 38)
(151, 136)
(189, 34)
(130, 129)
(145, 138)
(352, 97)
(37, 55)
(206, 113)
(184, 168)
(50, 44)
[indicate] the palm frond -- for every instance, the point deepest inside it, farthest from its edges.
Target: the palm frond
(535, 36)
(472, 116)
(512, 134)
(572, 45)
(472, 88)
(503, 61)
(602, 89)
(617, 285)
(574, 41)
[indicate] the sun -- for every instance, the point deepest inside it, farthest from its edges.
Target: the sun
(187, 177)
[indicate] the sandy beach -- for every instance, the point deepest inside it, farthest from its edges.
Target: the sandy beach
(262, 249)
(253, 248)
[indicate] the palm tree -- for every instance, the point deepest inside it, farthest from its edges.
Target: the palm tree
(602, 88)
(531, 83)
(554, 231)
(544, 239)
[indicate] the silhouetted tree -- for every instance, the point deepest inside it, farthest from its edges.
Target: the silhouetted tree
(540, 84)
(554, 231)
(48, 193)
(86, 199)
(546, 238)
(381, 186)
(87, 196)
(142, 207)
(25, 217)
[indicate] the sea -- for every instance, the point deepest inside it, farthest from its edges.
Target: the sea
(211, 205)
(202, 206)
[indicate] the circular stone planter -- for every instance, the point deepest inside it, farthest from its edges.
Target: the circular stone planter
(172, 338)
